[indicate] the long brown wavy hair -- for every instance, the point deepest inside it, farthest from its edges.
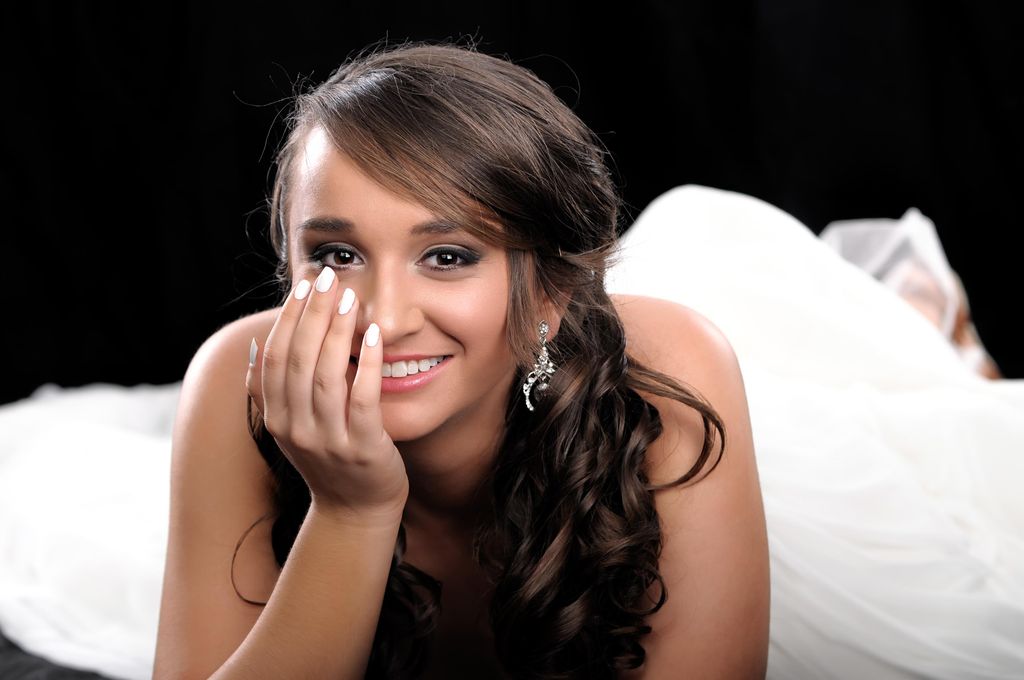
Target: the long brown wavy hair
(571, 539)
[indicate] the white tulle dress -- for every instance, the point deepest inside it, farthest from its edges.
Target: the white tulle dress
(891, 473)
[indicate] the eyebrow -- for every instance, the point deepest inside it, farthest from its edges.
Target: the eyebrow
(340, 225)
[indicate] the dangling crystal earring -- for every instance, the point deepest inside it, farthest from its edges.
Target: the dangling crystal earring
(542, 368)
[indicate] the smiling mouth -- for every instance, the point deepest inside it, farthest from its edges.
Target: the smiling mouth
(353, 361)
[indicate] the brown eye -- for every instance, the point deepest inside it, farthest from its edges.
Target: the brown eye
(332, 256)
(448, 258)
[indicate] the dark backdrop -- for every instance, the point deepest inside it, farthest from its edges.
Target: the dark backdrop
(137, 143)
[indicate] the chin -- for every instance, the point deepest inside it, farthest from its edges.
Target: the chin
(406, 424)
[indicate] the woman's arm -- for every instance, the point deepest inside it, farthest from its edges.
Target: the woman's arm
(322, 612)
(321, 619)
(715, 549)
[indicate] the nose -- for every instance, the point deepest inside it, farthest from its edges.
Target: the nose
(390, 300)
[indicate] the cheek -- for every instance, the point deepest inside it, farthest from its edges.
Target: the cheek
(477, 318)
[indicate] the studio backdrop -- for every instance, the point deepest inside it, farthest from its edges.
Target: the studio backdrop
(138, 143)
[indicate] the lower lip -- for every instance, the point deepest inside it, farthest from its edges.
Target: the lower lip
(412, 382)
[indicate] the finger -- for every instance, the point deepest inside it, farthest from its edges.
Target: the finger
(254, 386)
(365, 422)
(330, 386)
(305, 348)
(252, 376)
(274, 353)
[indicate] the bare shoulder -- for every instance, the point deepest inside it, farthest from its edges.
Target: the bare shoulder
(715, 551)
(688, 347)
(242, 330)
(220, 486)
(224, 351)
(660, 330)
(215, 379)
(685, 345)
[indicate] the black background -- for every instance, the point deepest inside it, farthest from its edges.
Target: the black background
(138, 143)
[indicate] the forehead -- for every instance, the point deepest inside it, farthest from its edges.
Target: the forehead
(326, 182)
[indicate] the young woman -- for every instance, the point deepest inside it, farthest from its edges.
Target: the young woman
(451, 454)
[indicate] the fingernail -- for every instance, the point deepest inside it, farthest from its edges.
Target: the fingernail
(302, 290)
(324, 281)
(372, 335)
(252, 353)
(347, 298)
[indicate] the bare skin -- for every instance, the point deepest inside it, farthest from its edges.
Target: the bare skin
(441, 546)
(715, 556)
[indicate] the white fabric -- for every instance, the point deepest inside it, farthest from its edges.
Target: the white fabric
(84, 489)
(887, 249)
(889, 470)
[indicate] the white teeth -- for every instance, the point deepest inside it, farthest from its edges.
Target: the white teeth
(400, 369)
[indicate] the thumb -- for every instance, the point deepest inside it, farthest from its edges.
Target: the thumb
(253, 377)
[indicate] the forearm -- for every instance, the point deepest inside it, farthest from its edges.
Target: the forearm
(321, 618)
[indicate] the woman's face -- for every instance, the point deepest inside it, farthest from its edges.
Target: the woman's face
(433, 293)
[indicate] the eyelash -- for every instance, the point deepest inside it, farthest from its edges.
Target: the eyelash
(469, 258)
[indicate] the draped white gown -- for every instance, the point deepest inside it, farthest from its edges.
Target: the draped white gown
(891, 474)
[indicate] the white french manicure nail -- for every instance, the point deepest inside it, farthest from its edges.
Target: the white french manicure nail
(347, 299)
(252, 353)
(302, 290)
(372, 335)
(324, 281)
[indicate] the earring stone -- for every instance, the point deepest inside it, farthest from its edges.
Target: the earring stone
(542, 368)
